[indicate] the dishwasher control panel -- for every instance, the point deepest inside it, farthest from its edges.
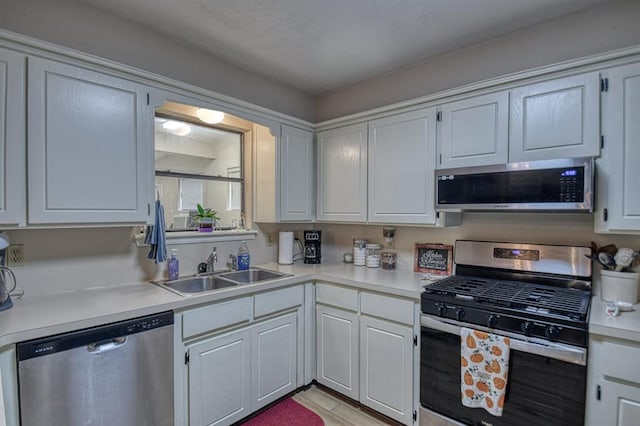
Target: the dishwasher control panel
(148, 324)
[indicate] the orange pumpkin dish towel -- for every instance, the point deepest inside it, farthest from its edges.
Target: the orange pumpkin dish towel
(484, 364)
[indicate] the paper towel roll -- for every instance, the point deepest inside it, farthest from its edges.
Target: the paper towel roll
(285, 248)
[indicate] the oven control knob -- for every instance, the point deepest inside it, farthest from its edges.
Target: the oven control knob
(492, 320)
(442, 309)
(527, 327)
(459, 314)
(552, 332)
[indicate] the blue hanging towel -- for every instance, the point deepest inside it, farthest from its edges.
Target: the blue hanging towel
(156, 237)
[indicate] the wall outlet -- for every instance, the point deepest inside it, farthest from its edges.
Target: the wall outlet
(269, 237)
(15, 255)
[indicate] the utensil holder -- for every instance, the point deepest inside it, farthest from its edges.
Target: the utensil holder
(619, 286)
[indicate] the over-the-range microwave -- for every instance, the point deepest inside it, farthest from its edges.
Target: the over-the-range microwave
(548, 185)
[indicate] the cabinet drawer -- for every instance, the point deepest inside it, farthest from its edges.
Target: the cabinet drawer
(217, 316)
(391, 308)
(337, 296)
(278, 300)
(620, 361)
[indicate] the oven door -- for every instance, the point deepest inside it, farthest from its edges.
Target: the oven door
(546, 383)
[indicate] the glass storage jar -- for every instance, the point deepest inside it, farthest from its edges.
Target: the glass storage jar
(359, 251)
(373, 255)
(389, 259)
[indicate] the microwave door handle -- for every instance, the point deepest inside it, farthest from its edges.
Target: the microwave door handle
(574, 355)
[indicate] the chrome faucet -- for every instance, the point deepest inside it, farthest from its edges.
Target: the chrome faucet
(233, 262)
(212, 260)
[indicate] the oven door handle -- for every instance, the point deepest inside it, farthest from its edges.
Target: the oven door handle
(559, 351)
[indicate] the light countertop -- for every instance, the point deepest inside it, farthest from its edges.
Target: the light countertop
(624, 326)
(40, 316)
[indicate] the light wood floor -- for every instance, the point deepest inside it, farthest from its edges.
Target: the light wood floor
(335, 411)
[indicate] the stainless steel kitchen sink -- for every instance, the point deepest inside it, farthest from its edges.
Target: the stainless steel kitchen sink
(196, 284)
(253, 275)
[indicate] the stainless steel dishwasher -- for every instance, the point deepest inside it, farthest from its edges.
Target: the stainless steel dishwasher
(116, 374)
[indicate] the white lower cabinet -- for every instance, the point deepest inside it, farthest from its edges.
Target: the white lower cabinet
(368, 354)
(234, 374)
(220, 379)
(386, 368)
(620, 403)
(337, 350)
(274, 359)
(240, 355)
(613, 383)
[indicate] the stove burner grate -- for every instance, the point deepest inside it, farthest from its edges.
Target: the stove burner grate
(516, 295)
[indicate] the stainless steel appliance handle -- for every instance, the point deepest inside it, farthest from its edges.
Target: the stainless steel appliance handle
(106, 346)
(559, 351)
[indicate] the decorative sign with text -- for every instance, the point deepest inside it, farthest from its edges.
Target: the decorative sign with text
(433, 259)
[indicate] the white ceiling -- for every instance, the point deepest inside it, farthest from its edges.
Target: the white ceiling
(322, 45)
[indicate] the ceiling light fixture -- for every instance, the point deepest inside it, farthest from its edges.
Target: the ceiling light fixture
(210, 116)
(176, 127)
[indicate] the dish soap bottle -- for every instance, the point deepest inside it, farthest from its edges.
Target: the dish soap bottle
(174, 266)
(243, 257)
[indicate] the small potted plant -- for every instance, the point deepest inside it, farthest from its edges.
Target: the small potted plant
(206, 219)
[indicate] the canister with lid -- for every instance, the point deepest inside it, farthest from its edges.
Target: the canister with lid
(373, 255)
(359, 251)
(389, 259)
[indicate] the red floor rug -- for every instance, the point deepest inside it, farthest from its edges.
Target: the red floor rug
(286, 413)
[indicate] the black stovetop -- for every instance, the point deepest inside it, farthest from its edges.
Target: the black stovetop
(523, 298)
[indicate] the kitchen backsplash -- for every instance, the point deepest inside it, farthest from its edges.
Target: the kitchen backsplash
(59, 260)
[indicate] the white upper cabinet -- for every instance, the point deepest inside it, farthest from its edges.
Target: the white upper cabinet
(297, 189)
(283, 174)
(342, 174)
(12, 138)
(474, 131)
(90, 148)
(618, 197)
(401, 164)
(558, 118)
(555, 119)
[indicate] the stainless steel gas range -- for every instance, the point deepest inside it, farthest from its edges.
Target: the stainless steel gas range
(539, 297)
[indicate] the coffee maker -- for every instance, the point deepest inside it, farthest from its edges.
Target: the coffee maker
(312, 247)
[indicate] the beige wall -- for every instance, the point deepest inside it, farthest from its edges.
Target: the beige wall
(70, 259)
(542, 228)
(614, 25)
(78, 26)
(58, 260)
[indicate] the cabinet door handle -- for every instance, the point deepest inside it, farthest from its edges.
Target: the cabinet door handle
(598, 392)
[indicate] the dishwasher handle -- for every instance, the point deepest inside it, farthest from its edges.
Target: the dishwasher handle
(106, 345)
